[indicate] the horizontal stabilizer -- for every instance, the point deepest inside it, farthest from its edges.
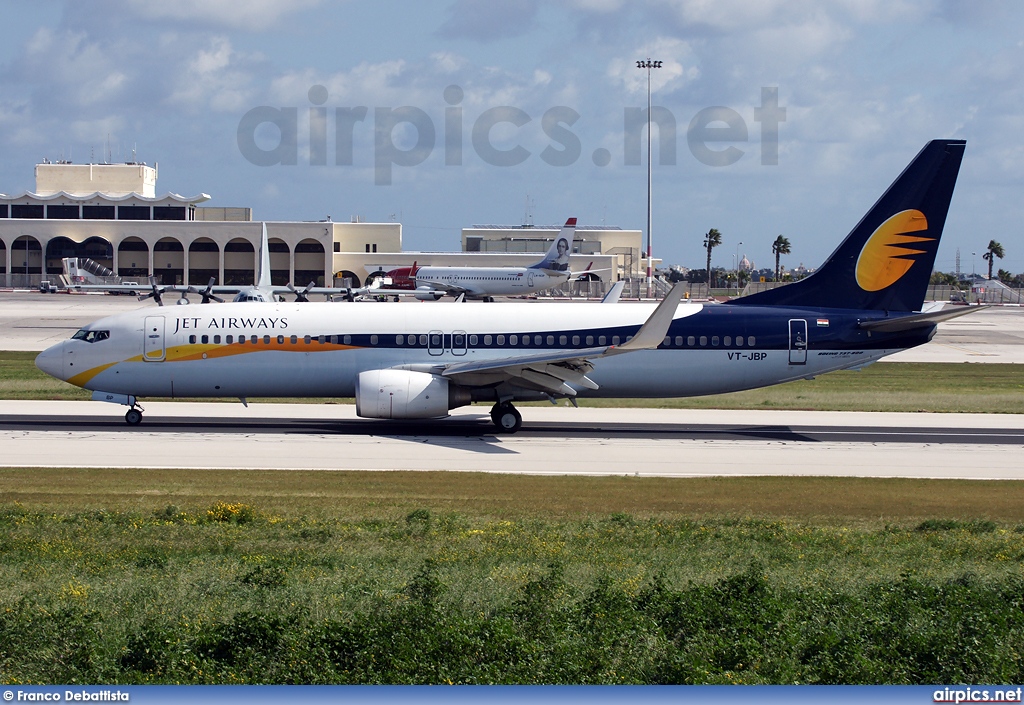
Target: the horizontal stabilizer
(917, 320)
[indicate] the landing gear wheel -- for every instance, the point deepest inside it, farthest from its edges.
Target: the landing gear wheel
(507, 418)
(133, 417)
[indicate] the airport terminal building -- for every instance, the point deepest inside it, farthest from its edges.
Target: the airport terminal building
(111, 214)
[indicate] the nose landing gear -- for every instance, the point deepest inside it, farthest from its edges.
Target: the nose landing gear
(506, 417)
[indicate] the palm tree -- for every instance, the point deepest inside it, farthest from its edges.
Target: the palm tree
(994, 250)
(779, 247)
(712, 240)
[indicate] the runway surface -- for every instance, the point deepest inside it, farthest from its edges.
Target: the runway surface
(554, 440)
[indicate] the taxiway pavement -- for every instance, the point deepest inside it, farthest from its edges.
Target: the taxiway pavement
(554, 441)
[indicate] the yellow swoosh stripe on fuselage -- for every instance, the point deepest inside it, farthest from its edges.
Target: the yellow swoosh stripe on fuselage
(185, 353)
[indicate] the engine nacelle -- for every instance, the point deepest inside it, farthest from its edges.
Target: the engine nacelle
(425, 293)
(403, 394)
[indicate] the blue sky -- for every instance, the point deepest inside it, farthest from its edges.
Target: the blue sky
(864, 84)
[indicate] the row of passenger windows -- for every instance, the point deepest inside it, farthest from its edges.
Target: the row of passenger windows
(458, 340)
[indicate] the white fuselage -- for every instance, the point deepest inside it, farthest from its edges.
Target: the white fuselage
(490, 281)
(318, 349)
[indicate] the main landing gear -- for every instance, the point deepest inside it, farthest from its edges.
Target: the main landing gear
(133, 417)
(506, 417)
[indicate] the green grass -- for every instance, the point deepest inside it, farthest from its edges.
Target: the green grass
(888, 386)
(120, 576)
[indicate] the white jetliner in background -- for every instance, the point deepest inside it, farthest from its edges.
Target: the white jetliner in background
(416, 362)
(431, 283)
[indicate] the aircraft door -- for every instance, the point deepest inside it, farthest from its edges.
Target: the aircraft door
(459, 342)
(529, 279)
(797, 341)
(153, 343)
(435, 342)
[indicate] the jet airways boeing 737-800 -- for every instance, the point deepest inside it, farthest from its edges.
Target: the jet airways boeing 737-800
(415, 361)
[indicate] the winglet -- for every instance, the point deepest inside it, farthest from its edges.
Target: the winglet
(652, 333)
(612, 297)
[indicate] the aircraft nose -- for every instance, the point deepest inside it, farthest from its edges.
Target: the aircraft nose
(51, 360)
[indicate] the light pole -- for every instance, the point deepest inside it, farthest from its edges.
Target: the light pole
(973, 272)
(649, 64)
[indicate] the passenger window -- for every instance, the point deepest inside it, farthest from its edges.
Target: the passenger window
(412, 341)
(602, 340)
(590, 340)
(192, 339)
(537, 340)
(216, 340)
(423, 341)
(679, 341)
(280, 340)
(562, 340)
(473, 340)
(347, 340)
(230, 339)
(667, 342)
(751, 341)
(334, 340)
(714, 341)
(435, 340)
(205, 339)
(727, 341)
(487, 340)
(691, 341)
(399, 339)
(739, 341)
(307, 339)
(294, 339)
(501, 339)
(575, 340)
(551, 340)
(266, 340)
(254, 339)
(703, 341)
(373, 340)
(513, 339)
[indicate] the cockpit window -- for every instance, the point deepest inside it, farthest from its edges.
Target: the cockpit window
(91, 336)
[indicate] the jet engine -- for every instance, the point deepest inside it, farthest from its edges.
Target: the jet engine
(425, 293)
(403, 394)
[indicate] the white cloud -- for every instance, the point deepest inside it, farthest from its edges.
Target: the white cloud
(251, 15)
(214, 78)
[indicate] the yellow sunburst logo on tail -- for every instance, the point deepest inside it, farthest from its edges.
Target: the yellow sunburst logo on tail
(886, 256)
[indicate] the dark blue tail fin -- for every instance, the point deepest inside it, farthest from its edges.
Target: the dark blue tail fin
(886, 261)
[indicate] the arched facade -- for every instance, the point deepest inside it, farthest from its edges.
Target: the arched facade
(26, 259)
(203, 262)
(239, 263)
(169, 261)
(133, 258)
(307, 267)
(280, 261)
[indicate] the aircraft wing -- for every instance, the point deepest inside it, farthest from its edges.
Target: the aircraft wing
(453, 289)
(551, 372)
